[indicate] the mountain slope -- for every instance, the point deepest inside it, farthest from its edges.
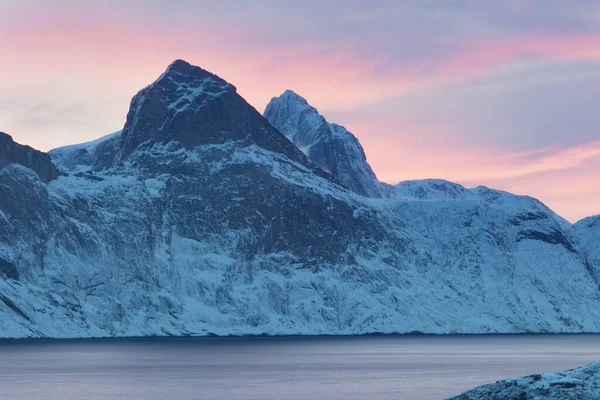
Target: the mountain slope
(94, 156)
(330, 146)
(587, 237)
(208, 220)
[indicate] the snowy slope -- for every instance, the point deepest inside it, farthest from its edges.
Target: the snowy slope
(207, 219)
(576, 384)
(95, 155)
(587, 236)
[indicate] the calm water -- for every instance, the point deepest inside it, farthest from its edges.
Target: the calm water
(279, 368)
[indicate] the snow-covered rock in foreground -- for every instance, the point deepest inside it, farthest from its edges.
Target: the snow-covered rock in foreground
(576, 384)
(327, 145)
(207, 219)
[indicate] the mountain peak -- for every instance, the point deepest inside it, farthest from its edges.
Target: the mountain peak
(182, 72)
(182, 66)
(330, 146)
(192, 107)
(290, 95)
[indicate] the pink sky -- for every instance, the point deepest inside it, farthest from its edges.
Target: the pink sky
(504, 97)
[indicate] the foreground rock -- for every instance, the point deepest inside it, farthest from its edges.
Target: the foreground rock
(576, 384)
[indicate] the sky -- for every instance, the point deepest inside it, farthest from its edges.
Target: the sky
(501, 93)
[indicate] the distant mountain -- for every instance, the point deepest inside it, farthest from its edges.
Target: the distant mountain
(201, 217)
(576, 384)
(330, 146)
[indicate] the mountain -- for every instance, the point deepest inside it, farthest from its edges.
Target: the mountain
(576, 384)
(587, 236)
(330, 146)
(40, 163)
(201, 218)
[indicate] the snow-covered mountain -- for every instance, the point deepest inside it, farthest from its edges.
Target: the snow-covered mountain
(201, 217)
(576, 384)
(330, 146)
(587, 236)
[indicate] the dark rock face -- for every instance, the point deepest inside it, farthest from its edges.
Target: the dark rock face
(11, 152)
(191, 111)
(194, 107)
(330, 146)
(8, 270)
(553, 237)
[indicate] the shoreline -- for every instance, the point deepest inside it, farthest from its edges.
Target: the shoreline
(212, 336)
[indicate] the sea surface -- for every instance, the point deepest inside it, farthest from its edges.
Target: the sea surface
(367, 367)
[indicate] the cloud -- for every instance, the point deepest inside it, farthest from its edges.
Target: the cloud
(520, 106)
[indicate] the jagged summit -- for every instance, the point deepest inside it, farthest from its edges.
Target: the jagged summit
(292, 115)
(193, 107)
(180, 69)
(330, 146)
(291, 96)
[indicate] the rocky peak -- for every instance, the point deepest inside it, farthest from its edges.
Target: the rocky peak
(330, 146)
(12, 152)
(194, 107)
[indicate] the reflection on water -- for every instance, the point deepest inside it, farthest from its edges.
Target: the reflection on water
(375, 367)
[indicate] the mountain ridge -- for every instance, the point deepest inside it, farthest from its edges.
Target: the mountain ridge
(208, 220)
(12, 152)
(329, 146)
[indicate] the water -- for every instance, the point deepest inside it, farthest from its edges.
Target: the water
(408, 367)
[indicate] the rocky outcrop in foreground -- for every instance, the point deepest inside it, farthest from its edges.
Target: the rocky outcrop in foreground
(575, 384)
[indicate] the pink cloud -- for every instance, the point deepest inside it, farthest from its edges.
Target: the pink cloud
(104, 61)
(562, 177)
(333, 74)
(483, 55)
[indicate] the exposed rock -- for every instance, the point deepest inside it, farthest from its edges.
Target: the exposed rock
(11, 152)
